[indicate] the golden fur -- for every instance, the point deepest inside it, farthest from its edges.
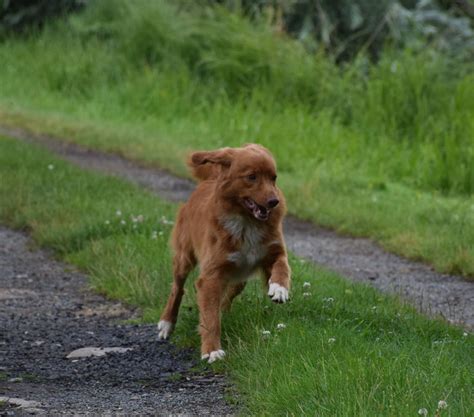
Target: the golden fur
(231, 226)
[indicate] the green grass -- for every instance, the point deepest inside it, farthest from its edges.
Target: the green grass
(347, 350)
(382, 150)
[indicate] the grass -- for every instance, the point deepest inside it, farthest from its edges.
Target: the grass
(382, 150)
(346, 349)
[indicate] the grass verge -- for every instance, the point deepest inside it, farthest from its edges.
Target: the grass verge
(346, 349)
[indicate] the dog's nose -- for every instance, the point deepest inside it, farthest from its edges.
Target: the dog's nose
(273, 202)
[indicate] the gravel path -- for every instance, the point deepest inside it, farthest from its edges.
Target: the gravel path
(46, 312)
(359, 259)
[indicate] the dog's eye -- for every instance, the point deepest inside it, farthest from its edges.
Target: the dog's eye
(252, 177)
(274, 178)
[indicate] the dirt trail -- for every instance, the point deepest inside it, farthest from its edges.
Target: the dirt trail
(359, 259)
(46, 312)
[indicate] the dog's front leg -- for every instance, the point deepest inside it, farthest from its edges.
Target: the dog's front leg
(278, 275)
(210, 290)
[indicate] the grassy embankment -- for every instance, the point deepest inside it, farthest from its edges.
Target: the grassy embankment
(347, 350)
(382, 150)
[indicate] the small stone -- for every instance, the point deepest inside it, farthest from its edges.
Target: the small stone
(20, 402)
(16, 379)
(87, 352)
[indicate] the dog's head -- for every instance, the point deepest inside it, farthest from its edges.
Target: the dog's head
(246, 176)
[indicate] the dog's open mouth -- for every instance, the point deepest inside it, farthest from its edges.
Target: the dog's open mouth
(258, 211)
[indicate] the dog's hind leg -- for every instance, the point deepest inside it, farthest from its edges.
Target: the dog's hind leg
(210, 290)
(183, 263)
(231, 292)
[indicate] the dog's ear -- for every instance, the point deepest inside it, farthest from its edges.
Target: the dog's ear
(208, 164)
(222, 156)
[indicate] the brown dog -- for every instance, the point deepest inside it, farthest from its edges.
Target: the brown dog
(231, 226)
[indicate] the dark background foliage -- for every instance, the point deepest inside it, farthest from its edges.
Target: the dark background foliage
(20, 15)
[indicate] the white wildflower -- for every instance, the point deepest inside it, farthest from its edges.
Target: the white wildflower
(442, 404)
(50, 167)
(306, 294)
(123, 222)
(281, 326)
(307, 284)
(374, 308)
(161, 233)
(423, 412)
(107, 222)
(266, 334)
(140, 218)
(118, 213)
(331, 340)
(465, 334)
(164, 220)
(328, 299)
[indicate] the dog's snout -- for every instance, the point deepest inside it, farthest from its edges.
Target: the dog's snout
(273, 202)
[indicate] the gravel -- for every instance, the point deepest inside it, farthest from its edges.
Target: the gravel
(46, 312)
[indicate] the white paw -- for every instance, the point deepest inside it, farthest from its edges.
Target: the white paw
(214, 355)
(165, 328)
(277, 293)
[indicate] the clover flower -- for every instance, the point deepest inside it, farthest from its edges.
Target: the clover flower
(442, 405)
(164, 220)
(306, 285)
(118, 213)
(266, 334)
(281, 326)
(306, 294)
(331, 340)
(50, 167)
(423, 412)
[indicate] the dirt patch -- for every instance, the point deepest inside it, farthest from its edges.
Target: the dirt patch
(359, 259)
(49, 313)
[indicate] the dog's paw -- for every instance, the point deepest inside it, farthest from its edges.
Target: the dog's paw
(164, 329)
(213, 356)
(277, 293)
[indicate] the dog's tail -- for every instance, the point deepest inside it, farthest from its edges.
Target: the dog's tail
(207, 165)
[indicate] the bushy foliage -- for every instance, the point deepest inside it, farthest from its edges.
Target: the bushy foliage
(347, 27)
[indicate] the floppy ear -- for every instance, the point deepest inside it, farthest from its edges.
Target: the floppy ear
(208, 164)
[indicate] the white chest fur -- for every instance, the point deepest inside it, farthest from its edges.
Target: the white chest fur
(251, 250)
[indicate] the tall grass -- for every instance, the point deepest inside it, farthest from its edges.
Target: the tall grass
(407, 118)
